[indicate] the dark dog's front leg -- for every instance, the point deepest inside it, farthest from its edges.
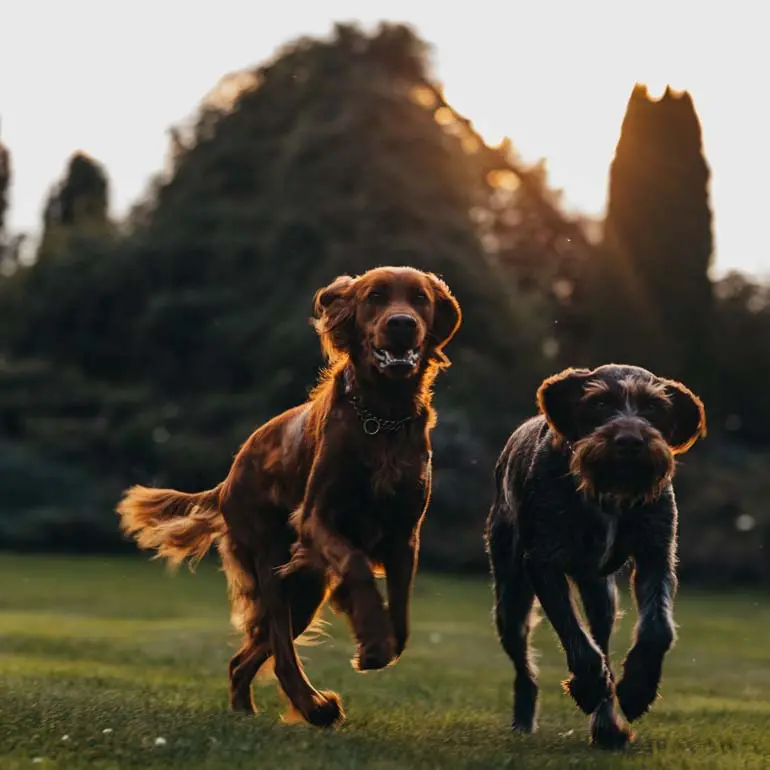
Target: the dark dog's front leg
(590, 683)
(400, 566)
(654, 585)
(600, 603)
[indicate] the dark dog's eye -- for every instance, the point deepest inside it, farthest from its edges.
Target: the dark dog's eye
(374, 296)
(648, 410)
(421, 296)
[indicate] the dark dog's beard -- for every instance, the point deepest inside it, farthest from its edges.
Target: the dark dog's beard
(601, 473)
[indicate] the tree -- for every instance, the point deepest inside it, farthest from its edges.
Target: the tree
(5, 182)
(76, 207)
(743, 334)
(6, 249)
(651, 298)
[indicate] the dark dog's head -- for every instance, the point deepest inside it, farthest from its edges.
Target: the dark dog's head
(624, 424)
(390, 320)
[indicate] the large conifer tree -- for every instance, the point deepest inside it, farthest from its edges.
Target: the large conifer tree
(652, 299)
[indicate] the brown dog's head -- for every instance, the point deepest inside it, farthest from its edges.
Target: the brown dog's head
(624, 424)
(393, 320)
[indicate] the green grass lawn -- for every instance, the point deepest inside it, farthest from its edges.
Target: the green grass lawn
(101, 658)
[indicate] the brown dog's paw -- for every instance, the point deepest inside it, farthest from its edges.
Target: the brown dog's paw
(375, 655)
(608, 730)
(328, 711)
(301, 558)
(241, 703)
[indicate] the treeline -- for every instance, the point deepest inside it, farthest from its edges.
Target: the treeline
(145, 350)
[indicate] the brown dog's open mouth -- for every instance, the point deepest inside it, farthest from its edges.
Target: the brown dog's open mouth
(386, 359)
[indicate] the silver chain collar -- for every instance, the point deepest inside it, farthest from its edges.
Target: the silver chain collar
(371, 423)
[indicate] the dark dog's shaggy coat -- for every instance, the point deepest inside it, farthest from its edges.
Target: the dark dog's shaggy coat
(327, 494)
(580, 490)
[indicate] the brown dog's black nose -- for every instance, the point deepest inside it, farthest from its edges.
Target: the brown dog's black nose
(401, 330)
(402, 322)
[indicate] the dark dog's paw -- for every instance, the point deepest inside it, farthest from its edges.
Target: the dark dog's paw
(526, 727)
(374, 655)
(608, 730)
(635, 695)
(588, 690)
(524, 705)
(328, 710)
(399, 645)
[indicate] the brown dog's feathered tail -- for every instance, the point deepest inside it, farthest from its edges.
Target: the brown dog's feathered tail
(176, 525)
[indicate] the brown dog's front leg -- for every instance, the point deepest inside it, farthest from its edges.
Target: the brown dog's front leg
(400, 567)
(357, 593)
(359, 597)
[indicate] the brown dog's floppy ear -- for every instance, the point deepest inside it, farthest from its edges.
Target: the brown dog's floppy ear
(335, 316)
(558, 397)
(447, 316)
(326, 296)
(688, 417)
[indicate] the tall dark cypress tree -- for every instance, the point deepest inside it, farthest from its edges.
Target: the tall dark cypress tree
(78, 204)
(8, 248)
(652, 299)
(5, 182)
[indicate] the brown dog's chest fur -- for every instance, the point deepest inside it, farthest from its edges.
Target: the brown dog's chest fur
(382, 489)
(374, 485)
(379, 485)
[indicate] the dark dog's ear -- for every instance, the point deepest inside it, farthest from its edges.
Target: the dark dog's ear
(558, 398)
(688, 417)
(335, 316)
(447, 316)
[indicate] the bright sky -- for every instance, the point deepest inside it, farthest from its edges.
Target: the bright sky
(109, 77)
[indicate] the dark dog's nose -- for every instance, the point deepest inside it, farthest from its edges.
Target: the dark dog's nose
(402, 323)
(628, 442)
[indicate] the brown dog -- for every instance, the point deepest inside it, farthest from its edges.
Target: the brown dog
(327, 493)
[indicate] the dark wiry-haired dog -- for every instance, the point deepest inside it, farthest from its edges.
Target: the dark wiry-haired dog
(326, 495)
(581, 489)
